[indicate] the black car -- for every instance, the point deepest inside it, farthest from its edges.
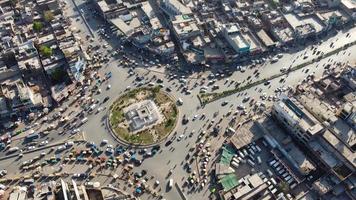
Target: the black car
(267, 83)
(106, 99)
(169, 142)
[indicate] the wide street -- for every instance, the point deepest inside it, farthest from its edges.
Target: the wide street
(173, 156)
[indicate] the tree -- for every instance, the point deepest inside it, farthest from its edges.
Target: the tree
(46, 51)
(284, 187)
(48, 16)
(58, 75)
(37, 26)
(14, 2)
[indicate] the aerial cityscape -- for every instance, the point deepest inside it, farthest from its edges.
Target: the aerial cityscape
(178, 100)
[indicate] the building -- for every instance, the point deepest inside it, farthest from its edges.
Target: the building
(184, 27)
(109, 9)
(20, 97)
(142, 115)
(233, 35)
(298, 121)
(349, 6)
(174, 7)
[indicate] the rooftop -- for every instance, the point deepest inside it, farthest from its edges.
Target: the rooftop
(142, 115)
(296, 21)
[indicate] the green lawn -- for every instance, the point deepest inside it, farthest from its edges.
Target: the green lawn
(146, 136)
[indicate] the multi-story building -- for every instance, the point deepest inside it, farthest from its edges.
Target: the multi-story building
(174, 7)
(299, 122)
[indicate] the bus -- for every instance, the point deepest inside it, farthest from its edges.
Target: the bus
(31, 137)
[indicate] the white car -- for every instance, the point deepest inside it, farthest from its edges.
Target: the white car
(180, 137)
(104, 141)
(31, 148)
(43, 143)
(108, 87)
(69, 143)
(77, 130)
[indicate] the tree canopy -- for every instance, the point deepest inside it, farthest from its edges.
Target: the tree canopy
(48, 16)
(37, 26)
(46, 51)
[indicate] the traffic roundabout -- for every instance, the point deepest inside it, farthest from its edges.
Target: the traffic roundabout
(142, 117)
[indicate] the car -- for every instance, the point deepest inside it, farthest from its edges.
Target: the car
(180, 137)
(106, 99)
(29, 148)
(61, 148)
(103, 142)
(267, 83)
(168, 89)
(80, 175)
(108, 87)
(3, 173)
(224, 103)
(43, 143)
(69, 143)
(169, 142)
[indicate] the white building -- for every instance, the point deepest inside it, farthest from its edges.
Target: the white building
(296, 119)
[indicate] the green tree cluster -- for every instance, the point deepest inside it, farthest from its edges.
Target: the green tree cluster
(37, 26)
(46, 51)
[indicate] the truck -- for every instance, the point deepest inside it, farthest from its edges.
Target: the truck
(31, 137)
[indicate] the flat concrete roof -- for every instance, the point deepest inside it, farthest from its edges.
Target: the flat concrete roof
(340, 147)
(246, 134)
(265, 38)
(295, 21)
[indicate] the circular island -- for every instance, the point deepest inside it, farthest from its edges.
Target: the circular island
(143, 116)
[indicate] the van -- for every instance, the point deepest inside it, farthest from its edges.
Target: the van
(241, 154)
(253, 148)
(13, 149)
(274, 190)
(258, 148)
(270, 187)
(234, 164)
(287, 178)
(281, 171)
(285, 174)
(259, 161)
(251, 163)
(272, 162)
(269, 172)
(290, 180)
(264, 143)
(293, 186)
(245, 152)
(85, 119)
(29, 181)
(251, 157)
(170, 183)
(274, 182)
(236, 160)
(275, 164)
